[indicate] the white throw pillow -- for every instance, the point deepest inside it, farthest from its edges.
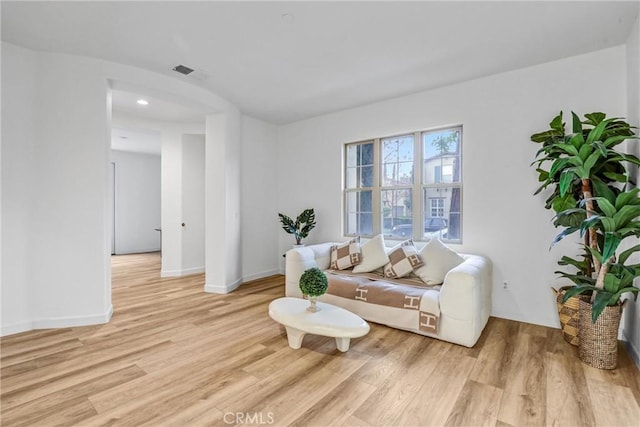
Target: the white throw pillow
(438, 259)
(374, 255)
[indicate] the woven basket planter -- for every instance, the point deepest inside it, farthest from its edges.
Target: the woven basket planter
(599, 341)
(569, 314)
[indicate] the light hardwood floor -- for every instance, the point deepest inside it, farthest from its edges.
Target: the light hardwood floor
(174, 355)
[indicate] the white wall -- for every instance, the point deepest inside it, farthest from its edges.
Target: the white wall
(501, 218)
(66, 229)
(19, 68)
(631, 319)
(137, 202)
(259, 212)
(193, 253)
(222, 208)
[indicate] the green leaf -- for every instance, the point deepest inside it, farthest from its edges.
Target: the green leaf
(601, 301)
(622, 258)
(618, 177)
(602, 190)
(594, 253)
(558, 165)
(608, 224)
(566, 180)
(611, 243)
(577, 140)
(626, 198)
(605, 206)
(596, 133)
(611, 283)
(568, 148)
(563, 203)
(601, 147)
(590, 162)
(615, 140)
(577, 124)
(594, 118)
(625, 215)
(546, 136)
(577, 290)
(564, 233)
(556, 123)
(585, 151)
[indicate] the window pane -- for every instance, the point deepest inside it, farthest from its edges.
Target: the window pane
(396, 213)
(442, 213)
(397, 161)
(441, 156)
(359, 218)
(359, 171)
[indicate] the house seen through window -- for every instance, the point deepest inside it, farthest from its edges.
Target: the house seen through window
(406, 186)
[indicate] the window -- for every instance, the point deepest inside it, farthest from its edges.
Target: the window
(405, 186)
(358, 189)
(437, 206)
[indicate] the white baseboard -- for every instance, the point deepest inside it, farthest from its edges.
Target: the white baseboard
(222, 289)
(16, 328)
(126, 251)
(180, 273)
(261, 275)
(58, 322)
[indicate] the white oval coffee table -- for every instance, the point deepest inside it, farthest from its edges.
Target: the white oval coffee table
(329, 321)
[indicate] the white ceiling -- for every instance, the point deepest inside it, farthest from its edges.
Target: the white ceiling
(285, 61)
(135, 140)
(158, 109)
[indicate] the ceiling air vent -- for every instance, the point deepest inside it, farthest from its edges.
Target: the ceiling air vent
(183, 70)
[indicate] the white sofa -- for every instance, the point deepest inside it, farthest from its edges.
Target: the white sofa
(464, 299)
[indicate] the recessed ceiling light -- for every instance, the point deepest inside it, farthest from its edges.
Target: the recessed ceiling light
(142, 102)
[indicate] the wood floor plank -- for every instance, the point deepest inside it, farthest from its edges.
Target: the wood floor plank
(403, 384)
(174, 355)
(523, 402)
(434, 401)
(567, 398)
(616, 404)
(477, 405)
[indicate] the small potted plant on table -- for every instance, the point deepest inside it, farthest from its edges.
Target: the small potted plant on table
(313, 283)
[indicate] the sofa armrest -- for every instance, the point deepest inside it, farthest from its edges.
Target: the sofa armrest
(300, 259)
(466, 291)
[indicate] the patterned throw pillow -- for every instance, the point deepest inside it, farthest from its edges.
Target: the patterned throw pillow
(345, 255)
(403, 259)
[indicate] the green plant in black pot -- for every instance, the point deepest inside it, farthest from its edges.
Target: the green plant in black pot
(300, 228)
(313, 283)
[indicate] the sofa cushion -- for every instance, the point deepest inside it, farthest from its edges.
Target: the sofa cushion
(438, 259)
(345, 255)
(374, 255)
(403, 259)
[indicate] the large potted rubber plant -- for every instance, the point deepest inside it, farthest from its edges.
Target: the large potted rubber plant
(591, 193)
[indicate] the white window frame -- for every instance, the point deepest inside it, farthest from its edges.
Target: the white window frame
(417, 188)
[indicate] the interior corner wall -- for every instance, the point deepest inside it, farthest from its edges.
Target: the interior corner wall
(501, 218)
(193, 196)
(137, 203)
(260, 255)
(222, 202)
(631, 319)
(19, 100)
